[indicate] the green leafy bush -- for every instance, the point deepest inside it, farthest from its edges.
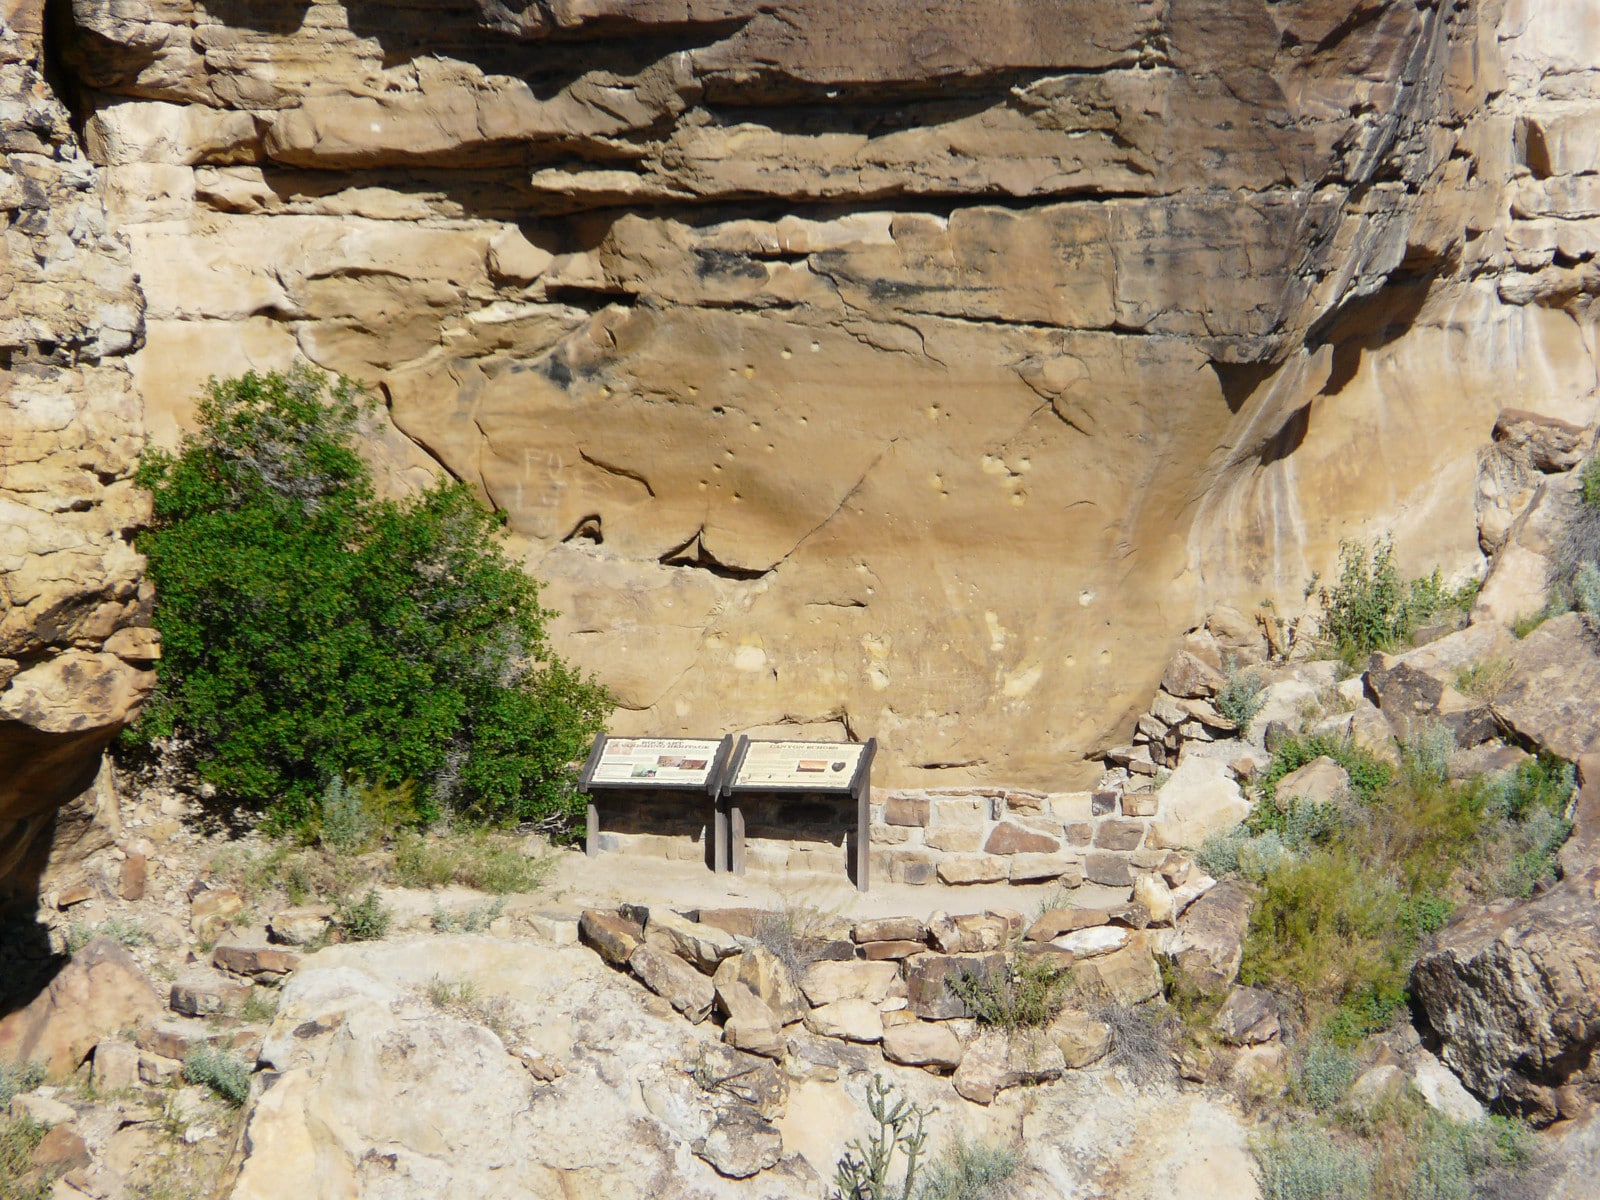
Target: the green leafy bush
(227, 1076)
(312, 632)
(1371, 607)
(1308, 1164)
(363, 920)
(971, 1171)
(1240, 698)
(1026, 995)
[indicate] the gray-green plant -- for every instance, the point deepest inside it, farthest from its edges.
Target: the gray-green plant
(18, 1078)
(1308, 1164)
(971, 1171)
(1143, 1036)
(1026, 994)
(123, 932)
(363, 920)
(472, 920)
(864, 1171)
(345, 824)
(1241, 696)
(1324, 1074)
(226, 1075)
(19, 1179)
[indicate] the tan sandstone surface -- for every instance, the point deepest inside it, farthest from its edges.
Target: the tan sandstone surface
(918, 377)
(74, 647)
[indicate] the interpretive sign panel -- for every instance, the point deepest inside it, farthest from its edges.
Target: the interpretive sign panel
(801, 766)
(653, 762)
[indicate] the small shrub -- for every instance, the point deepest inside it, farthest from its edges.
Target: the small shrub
(225, 1075)
(971, 1171)
(1371, 608)
(363, 920)
(1324, 1075)
(473, 920)
(1026, 995)
(1425, 755)
(19, 1138)
(1586, 589)
(794, 933)
(124, 933)
(863, 1172)
(1143, 1037)
(260, 1005)
(489, 862)
(1307, 1164)
(1240, 697)
(1369, 775)
(22, 1077)
(344, 822)
(1487, 680)
(444, 994)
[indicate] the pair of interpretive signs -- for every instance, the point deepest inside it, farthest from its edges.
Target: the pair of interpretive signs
(730, 772)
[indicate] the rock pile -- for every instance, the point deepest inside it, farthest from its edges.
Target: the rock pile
(900, 983)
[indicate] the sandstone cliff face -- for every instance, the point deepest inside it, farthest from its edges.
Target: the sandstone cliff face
(74, 649)
(901, 370)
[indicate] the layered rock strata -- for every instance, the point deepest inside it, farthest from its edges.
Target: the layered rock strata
(860, 372)
(74, 644)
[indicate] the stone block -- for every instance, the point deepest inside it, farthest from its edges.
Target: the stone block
(923, 1044)
(892, 835)
(261, 963)
(611, 936)
(1071, 806)
(1139, 804)
(928, 979)
(674, 980)
(968, 812)
(830, 982)
(205, 994)
(1058, 921)
(973, 868)
(892, 951)
(906, 810)
(913, 865)
(1115, 833)
(971, 933)
(116, 1066)
(1041, 868)
(1078, 833)
(1107, 869)
(135, 873)
(954, 840)
(1008, 837)
(847, 1020)
(889, 929)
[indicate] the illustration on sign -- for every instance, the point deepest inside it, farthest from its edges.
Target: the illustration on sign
(822, 766)
(646, 762)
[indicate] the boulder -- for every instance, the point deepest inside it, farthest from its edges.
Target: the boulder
(264, 964)
(1150, 891)
(765, 974)
(1248, 1017)
(300, 925)
(923, 1044)
(1550, 701)
(61, 1150)
(1547, 444)
(997, 1060)
(116, 1067)
(42, 1110)
(612, 936)
(203, 993)
(1208, 944)
(830, 982)
(1320, 781)
(1107, 869)
(847, 1020)
(674, 980)
(1082, 1040)
(751, 1025)
(1201, 798)
(98, 993)
(1443, 1091)
(703, 945)
(1188, 677)
(740, 1143)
